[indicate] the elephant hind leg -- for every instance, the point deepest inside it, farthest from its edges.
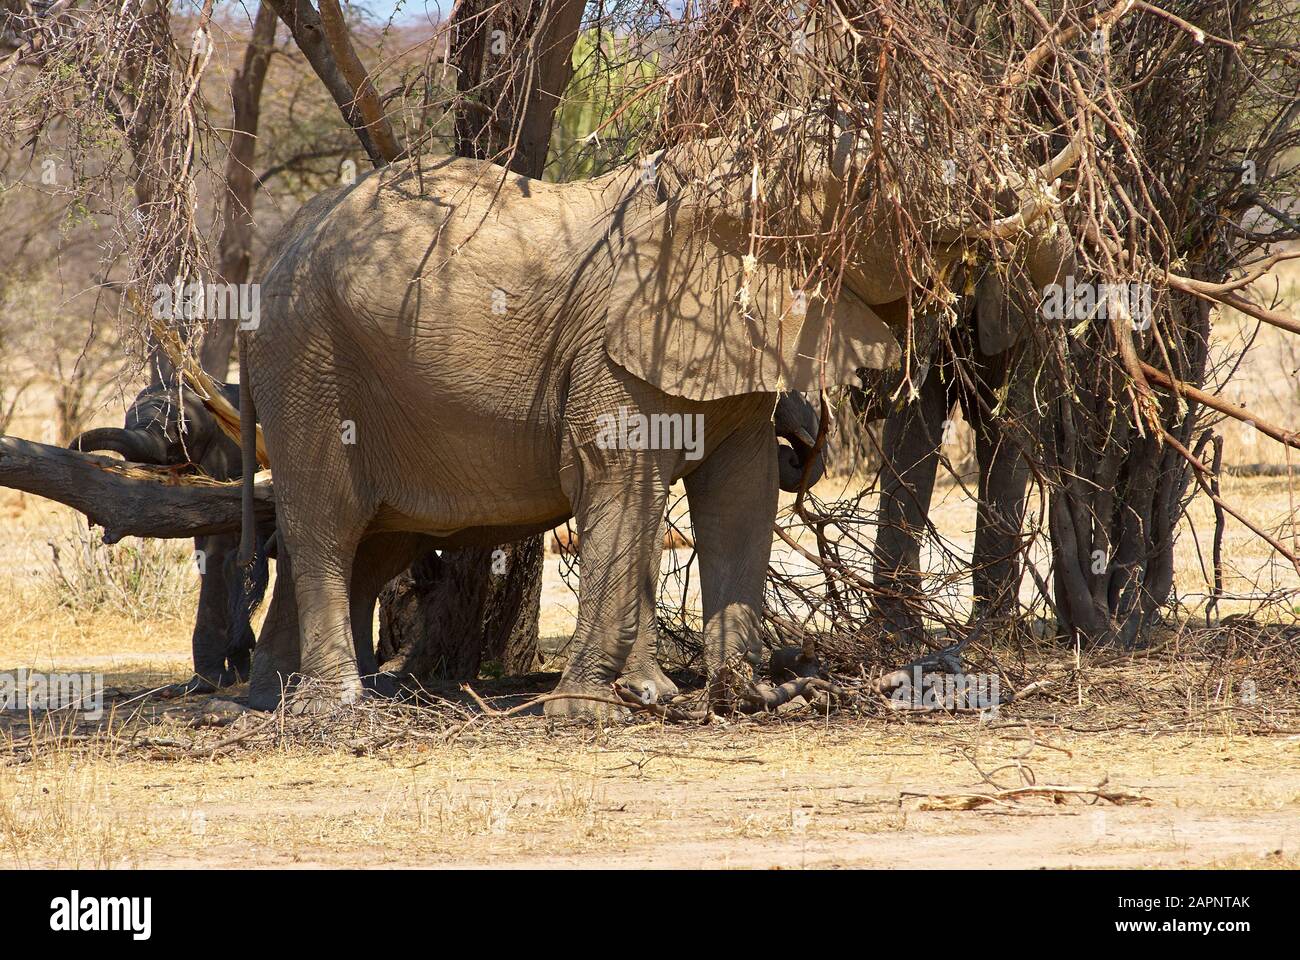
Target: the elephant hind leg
(323, 542)
(642, 674)
(1003, 488)
(619, 513)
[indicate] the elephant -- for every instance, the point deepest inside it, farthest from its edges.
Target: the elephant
(451, 350)
(383, 556)
(161, 431)
(797, 421)
(991, 339)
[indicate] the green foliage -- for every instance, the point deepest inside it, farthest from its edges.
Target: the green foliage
(599, 124)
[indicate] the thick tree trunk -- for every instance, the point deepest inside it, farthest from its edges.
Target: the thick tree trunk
(513, 62)
(1117, 492)
(127, 499)
(443, 619)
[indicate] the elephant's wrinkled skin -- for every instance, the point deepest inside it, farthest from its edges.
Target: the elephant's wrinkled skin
(165, 426)
(433, 361)
(381, 556)
(456, 351)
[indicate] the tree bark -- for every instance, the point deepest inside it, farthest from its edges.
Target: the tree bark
(513, 62)
(234, 249)
(308, 31)
(127, 499)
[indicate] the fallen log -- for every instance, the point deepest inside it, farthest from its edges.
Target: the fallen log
(128, 499)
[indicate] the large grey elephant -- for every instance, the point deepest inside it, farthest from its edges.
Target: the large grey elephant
(165, 426)
(458, 352)
(162, 430)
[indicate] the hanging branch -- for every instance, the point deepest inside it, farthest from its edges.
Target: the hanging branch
(310, 34)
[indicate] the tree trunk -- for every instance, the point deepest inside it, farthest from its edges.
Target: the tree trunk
(234, 249)
(513, 62)
(454, 611)
(443, 618)
(127, 499)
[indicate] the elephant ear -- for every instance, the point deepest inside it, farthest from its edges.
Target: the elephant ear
(1005, 306)
(686, 316)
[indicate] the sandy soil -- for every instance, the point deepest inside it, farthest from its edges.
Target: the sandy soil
(773, 794)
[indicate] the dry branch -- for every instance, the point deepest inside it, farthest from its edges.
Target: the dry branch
(128, 500)
(1057, 794)
(366, 99)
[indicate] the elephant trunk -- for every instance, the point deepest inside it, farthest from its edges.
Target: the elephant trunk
(138, 446)
(797, 422)
(792, 459)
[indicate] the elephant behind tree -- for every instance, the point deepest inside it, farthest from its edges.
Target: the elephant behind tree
(442, 358)
(166, 426)
(986, 364)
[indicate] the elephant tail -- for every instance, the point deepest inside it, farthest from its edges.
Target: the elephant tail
(248, 587)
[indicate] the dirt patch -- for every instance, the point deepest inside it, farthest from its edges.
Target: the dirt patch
(756, 794)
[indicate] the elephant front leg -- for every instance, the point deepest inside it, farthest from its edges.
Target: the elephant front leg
(379, 558)
(643, 675)
(212, 668)
(619, 512)
(1003, 485)
(733, 500)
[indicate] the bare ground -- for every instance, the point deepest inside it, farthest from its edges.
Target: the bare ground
(839, 791)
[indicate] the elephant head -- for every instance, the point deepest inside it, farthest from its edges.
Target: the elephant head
(697, 315)
(159, 430)
(700, 309)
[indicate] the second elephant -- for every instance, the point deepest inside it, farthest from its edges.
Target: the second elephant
(985, 366)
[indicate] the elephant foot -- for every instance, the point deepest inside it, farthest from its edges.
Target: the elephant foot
(265, 694)
(648, 683)
(789, 663)
(577, 702)
(731, 686)
(320, 697)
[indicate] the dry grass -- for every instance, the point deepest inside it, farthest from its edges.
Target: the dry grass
(521, 794)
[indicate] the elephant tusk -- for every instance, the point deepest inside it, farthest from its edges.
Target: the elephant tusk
(804, 436)
(1033, 208)
(1053, 169)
